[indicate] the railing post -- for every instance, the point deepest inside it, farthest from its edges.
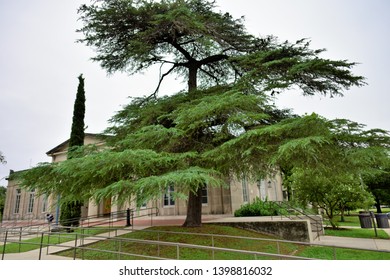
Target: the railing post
(158, 245)
(212, 245)
(109, 228)
(82, 243)
(319, 228)
(48, 243)
(120, 249)
(178, 251)
(20, 238)
(373, 222)
(40, 246)
(5, 242)
(75, 247)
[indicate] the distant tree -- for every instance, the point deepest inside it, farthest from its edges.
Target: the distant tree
(370, 148)
(71, 204)
(332, 158)
(333, 193)
(2, 158)
(379, 185)
(3, 192)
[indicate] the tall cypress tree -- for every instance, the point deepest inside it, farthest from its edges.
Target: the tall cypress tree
(71, 209)
(77, 133)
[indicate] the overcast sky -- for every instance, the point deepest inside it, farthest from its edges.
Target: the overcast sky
(40, 63)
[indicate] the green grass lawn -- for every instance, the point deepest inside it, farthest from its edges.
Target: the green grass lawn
(327, 253)
(357, 233)
(268, 246)
(384, 210)
(53, 239)
(187, 253)
(353, 218)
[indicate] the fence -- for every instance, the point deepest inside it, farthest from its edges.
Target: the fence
(77, 243)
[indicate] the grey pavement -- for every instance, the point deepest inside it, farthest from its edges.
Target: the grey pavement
(363, 243)
(49, 254)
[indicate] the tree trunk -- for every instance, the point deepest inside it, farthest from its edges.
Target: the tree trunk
(329, 213)
(194, 209)
(378, 205)
(342, 218)
(194, 205)
(192, 78)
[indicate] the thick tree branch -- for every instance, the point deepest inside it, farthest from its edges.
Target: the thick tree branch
(213, 59)
(183, 51)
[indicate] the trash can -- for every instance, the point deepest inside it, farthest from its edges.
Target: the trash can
(382, 220)
(365, 220)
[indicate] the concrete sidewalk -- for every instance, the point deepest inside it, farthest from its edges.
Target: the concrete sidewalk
(350, 242)
(49, 253)
(363, 243)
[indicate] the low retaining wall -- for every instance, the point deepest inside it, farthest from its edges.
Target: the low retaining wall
(289, 230)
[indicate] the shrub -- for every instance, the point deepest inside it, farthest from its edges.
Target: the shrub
(260, 208)
(70, 214)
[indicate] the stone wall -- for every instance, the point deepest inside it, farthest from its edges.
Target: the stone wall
(288, 230)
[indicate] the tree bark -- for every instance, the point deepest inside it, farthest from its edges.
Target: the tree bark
(192, 79)
(194, 209)
(194, 205)
(342, 215)
(378, 205)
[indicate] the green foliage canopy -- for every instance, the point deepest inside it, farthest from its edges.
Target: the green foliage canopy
(205, 45)
(225, 126)
(144, 157)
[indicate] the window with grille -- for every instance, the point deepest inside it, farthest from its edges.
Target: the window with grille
(168, 197)
(44, 203)
(245, 196)
(204, 195)
(31, 200)
(17, 201)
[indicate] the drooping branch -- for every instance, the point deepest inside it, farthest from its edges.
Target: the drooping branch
(208, 73)
(163, 76)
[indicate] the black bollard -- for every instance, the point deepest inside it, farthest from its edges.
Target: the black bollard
(128, 217)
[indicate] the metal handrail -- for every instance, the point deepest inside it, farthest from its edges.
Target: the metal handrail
(318, 224)
(178, 245)
(85, 223)
(80, 238)
(87, 220)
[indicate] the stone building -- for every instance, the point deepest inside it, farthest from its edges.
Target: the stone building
(27, 205)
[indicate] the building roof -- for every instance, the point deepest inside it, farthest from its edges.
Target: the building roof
(64, 144)
(14, 174)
